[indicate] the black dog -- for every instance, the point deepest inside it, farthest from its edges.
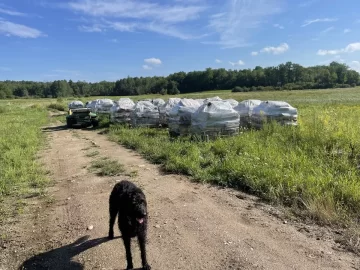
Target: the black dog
(129, 202)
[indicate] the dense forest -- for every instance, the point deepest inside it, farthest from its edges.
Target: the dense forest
(287, 76)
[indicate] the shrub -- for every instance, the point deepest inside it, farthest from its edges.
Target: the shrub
(237, 89)
(57, 106)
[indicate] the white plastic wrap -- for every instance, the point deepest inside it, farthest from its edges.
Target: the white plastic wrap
(158, 102)
(245, 109)
(180, 116)
(76, 104)
(165, 109)
(145, 114)
(103, 106)
(232, 102)
(121, 111)
(92, 105)
(215, 118)
(280, 111)
(211, 99)
(200, 100)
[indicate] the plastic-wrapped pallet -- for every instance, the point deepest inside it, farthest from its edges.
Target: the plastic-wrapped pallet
(91, 105)
(200, 100)
(245, 109)
(180, 116)
(121, 111)
(211, 99)
(76, 104)
(215, 118)
(280, 111)
(158, 102)
(103, 106)
(145, 114)
(165, 109)
(232, 102)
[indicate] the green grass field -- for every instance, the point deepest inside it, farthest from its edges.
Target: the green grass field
(312, 168)
(21, 138)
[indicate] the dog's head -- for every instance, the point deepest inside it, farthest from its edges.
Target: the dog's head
(139, 207)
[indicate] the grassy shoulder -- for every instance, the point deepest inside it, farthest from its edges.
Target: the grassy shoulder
(21, 138)
(313, 168)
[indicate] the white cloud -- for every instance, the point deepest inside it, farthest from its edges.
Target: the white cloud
(11, 12)
(237, 20)
(278, 26)
(142, 15)
(336, 58)
(308, 22)
(355, 65)
(352, 47)
(347, 31)
(137, 10)
(328, 52)
(328, 30)
(147, 67)
(13, 29)
(218, 61)
(254, 53)
(5, 69)
(276, 50)
(90, 29)
(153, 61)
(238, 63)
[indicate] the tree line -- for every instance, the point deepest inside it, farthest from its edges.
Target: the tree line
(288, 76)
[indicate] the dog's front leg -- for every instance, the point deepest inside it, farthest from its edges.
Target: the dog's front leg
(113, 212)
(127, 244)
(142, 244)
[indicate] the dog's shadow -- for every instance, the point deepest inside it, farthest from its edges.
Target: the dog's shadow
(61, 258)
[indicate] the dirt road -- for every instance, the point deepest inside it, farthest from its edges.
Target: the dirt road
(191, 226)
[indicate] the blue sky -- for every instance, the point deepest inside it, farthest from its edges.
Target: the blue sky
(94, 40)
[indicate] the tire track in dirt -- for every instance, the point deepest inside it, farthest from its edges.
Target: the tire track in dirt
(191, 226)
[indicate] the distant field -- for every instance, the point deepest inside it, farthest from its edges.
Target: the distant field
(296, 97)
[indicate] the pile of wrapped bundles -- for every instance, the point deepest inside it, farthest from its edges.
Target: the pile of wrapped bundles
(91, 105)
(245, 109)
(158, 102)
(165, 109)
(103, 106)
(145, 114)
(232, 102)
(200, 100)
(76, 104)
(207, 100)
(179, 121)
(279, 111)
(121, 111)
(215, 118)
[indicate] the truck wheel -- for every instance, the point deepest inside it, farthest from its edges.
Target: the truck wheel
(95, 123)
(68, 123)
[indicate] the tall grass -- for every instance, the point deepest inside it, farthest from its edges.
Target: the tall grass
(20, 139)
(312, 167)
